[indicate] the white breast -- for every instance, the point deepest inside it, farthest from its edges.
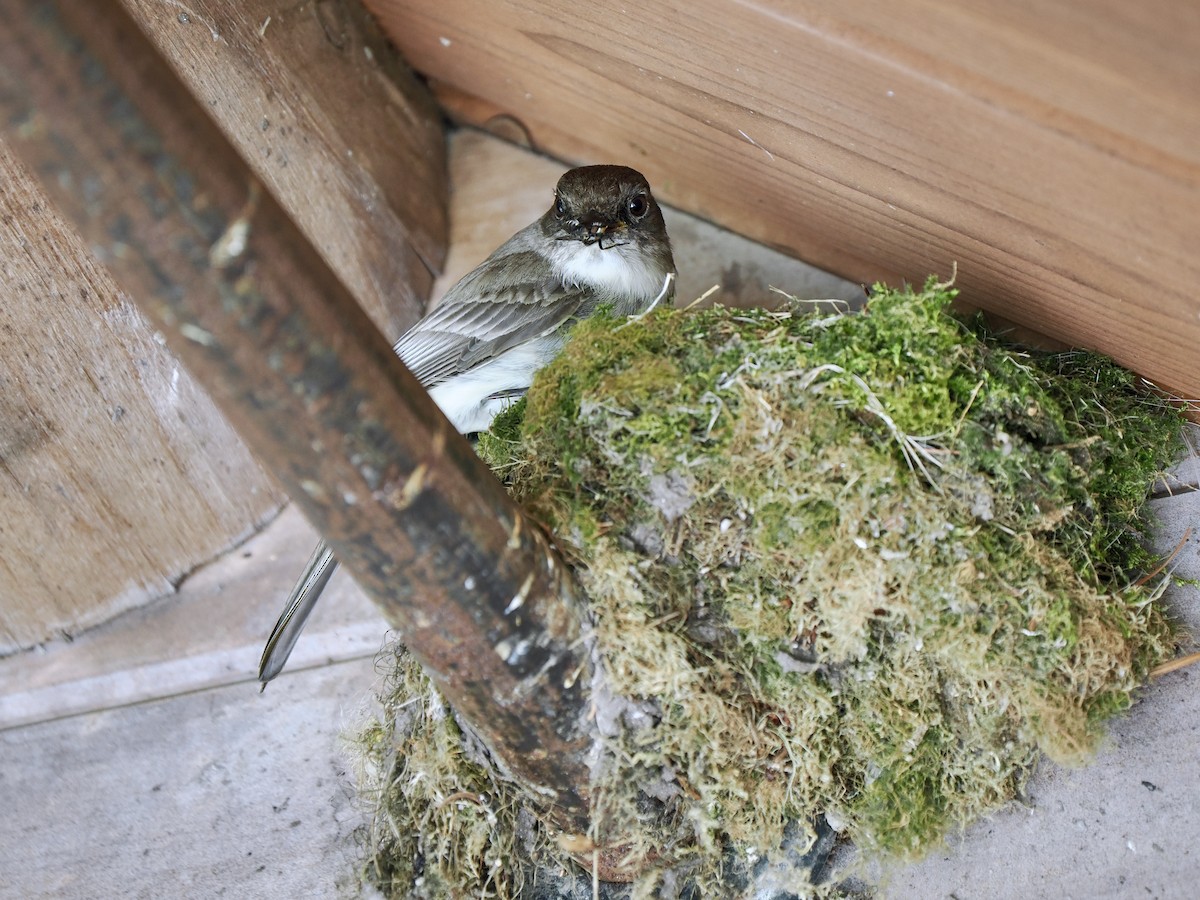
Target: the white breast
(468, 400)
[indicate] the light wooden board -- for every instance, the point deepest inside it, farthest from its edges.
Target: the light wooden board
(117, 474)
(1051, 150)
(208, 635)
(318, 104)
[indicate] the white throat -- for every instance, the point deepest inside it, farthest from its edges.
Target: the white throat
(620, 272)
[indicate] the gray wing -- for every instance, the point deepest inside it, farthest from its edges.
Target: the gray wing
(509, 299)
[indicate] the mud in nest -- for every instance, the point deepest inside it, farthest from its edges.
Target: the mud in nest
(868, 566)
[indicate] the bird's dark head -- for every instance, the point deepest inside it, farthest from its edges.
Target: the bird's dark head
(609, 206)
(606, 231)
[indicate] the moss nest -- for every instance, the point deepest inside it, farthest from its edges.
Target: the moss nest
(867, 566)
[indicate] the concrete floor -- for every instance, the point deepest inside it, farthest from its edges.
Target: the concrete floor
(141, 761)
(1128, 825)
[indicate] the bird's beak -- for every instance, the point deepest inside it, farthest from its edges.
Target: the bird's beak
(596, 230)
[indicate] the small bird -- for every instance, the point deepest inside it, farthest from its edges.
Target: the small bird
(603, 243)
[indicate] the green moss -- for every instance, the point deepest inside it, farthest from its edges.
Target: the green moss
(442, 827)
(497, 446)
(867, 565)
(906, 805)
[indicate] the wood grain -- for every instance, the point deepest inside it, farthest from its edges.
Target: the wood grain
(334, 123)
(1051, 149)
(311, 385)
(117, 474)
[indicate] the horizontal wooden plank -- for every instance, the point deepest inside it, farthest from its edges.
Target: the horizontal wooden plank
(1051, 150)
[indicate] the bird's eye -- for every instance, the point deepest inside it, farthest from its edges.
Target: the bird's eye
(560, 208)
(639, 205)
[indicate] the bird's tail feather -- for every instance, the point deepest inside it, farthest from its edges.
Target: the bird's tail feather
(295, 613)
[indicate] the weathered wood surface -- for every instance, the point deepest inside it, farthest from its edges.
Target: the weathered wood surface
(117, 474)
(1051, 149)
(310, 384)
(336, 126)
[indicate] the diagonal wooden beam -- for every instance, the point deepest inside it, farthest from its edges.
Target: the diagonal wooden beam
(133, 161)
(338, 129)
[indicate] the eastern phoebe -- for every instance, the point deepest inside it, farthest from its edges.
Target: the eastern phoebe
(603, 243)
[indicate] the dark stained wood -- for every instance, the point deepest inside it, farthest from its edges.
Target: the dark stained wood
(333, 122)
(311, 385)
(1050, 149)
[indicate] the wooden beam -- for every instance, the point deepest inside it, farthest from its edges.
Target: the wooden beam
(1051, 150)
(334, 123)
(310, 384)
